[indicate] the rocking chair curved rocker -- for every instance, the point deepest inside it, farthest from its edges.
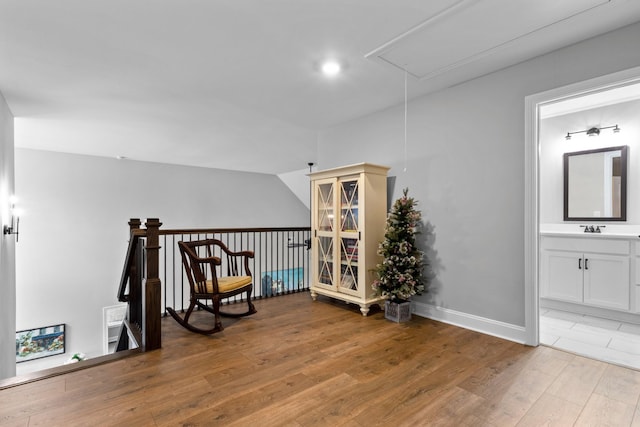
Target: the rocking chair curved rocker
(206, 284)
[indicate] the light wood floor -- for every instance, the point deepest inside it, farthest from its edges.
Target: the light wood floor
(303, 363)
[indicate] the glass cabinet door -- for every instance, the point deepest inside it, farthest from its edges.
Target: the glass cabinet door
(349, 206)
(337, 234)
(325, 261)
(349, 235)
(325, 234)
(325, 212)
(348, 264)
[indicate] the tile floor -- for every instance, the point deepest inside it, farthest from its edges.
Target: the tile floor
(603, 339)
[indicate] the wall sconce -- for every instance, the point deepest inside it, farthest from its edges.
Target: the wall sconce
(15, 220)
(594, 131)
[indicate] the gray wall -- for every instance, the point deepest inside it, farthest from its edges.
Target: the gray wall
(466, 168)
(7, 248)
(74, 230)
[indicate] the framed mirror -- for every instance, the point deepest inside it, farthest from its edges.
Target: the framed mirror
(595, 185)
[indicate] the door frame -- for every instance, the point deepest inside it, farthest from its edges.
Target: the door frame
(532, 181)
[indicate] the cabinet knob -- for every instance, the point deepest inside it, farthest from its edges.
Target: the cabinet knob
(579, 263)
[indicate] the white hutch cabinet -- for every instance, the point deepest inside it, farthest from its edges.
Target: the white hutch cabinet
(348, 214)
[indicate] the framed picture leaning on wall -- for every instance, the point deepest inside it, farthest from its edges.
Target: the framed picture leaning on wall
(39, 342)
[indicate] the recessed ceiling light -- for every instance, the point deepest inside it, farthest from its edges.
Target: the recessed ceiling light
(331, 68)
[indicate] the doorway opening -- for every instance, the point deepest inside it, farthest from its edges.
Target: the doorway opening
(550, 116)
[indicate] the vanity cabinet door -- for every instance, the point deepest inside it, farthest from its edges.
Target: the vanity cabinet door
(561, 275)
(606, 281)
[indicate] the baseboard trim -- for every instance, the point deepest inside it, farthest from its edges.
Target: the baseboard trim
(469, 321)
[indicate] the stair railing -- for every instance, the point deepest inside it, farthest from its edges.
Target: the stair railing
(140, 287)
(281, 266)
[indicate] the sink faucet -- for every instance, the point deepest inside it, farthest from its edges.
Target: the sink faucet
(592, 229)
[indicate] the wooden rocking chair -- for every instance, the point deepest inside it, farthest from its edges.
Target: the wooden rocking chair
(205, 283)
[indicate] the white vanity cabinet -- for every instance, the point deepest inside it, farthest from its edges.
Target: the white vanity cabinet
(590, 271)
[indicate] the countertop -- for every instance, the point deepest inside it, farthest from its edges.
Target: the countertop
(613, 231)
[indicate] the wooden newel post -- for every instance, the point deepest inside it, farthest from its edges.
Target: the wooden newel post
(151, 331)
(134, 224)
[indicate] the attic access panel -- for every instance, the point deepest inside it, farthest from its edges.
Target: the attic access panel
(482, 27)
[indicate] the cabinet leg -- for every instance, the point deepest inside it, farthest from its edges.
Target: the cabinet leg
(364, 309)
(314, 295)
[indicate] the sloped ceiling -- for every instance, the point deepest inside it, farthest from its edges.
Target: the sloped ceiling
(235, 84)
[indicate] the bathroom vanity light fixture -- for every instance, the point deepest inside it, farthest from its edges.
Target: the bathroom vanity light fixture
(15, 220)
(594, 131)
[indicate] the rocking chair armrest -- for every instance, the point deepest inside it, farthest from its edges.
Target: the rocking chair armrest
(248, 254)
(210, 259)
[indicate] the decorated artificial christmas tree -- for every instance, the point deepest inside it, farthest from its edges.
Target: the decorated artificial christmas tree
(400, 272)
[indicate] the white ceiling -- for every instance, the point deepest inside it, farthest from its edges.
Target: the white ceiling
(235, 84)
